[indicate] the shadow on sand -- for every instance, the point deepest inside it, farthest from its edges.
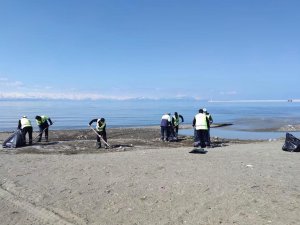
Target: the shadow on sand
(198, 151)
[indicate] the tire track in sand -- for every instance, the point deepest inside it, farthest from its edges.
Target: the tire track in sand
(9, 194)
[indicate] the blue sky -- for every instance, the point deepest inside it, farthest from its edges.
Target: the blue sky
(216, 49)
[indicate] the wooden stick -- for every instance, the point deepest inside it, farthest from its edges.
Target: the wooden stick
(99, 136)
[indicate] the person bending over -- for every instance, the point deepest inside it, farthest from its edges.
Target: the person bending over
(175, 123)
(42, 122)
(101, 130)
(26, 127)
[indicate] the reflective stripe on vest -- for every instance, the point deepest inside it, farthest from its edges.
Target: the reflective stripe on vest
(176, 121)
(100, 128)
(25, 123)
(43, 120)
(201, 123)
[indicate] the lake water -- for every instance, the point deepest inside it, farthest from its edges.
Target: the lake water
(248, 118)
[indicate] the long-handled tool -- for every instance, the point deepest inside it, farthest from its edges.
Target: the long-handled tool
(40, 133)
(100, 136)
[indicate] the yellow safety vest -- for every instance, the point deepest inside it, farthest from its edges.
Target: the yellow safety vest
(25, 123)
(43, 120)
(201, 123)
(176, 121)
(100, 128)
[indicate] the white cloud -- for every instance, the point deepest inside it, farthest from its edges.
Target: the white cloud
(75, 96)
(17, 90)
(6, 83)
(228, 93)
(57, 95)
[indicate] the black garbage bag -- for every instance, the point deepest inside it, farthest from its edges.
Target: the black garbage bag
(15, 140)
(291, 144)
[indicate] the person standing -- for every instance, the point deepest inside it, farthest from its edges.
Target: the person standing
(42, 122)
(165, 125)
(101, 130)
(26, 127)
(210, 121)
(200, 123)
(175, 123)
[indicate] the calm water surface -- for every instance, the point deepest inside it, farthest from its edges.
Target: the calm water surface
(246, 117)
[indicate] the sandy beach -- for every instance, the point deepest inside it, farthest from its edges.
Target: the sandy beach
(141, 180)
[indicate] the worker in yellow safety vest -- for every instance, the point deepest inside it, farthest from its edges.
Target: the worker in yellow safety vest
(175, 124)
(26, 127)
(101, 130)
(200, 124)
(210, 119)
(42, 122)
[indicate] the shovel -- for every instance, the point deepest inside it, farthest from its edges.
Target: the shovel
(41, 133)
(100, 136)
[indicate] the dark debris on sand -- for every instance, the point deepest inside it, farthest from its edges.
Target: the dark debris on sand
(120, 139)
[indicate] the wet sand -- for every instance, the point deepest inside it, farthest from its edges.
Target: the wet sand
(141, 180)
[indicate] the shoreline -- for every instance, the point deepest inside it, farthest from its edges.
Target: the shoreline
(283, 128)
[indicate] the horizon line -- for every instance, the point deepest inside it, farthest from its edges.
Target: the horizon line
(254, 100)
(20, 98)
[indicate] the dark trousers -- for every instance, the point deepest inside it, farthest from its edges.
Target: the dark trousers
(172, 132)
(207, 137)
(175, 131)
(200, 137)
(103, 135)
(164, 131)
(28, 130)
(43, 127)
